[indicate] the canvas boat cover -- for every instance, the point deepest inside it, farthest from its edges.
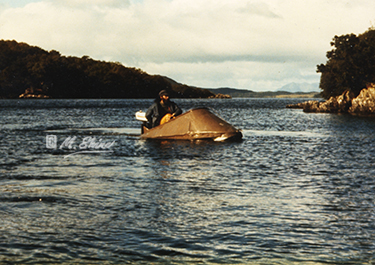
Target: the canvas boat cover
(194, 124)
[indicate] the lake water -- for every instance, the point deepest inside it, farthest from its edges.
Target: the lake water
(77, 185)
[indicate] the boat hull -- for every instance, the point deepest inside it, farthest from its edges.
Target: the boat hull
(195, 124)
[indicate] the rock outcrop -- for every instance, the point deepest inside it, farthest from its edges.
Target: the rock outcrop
(363, 104)
(33, 96)
(33, 93)
(219, 95)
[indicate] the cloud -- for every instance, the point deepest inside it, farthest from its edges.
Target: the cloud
(85, 3)
(259, 8)
(239, 43)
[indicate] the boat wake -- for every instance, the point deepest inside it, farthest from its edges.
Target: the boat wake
(98, 131)
(249, 133)
(137, 132)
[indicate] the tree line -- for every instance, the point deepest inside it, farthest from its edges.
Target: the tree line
(350, 65)
(30, 69)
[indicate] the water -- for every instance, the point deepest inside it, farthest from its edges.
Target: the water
(299, 188)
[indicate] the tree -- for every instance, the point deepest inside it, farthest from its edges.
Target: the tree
(350, 65)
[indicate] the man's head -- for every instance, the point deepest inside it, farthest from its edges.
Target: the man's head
(164, 96)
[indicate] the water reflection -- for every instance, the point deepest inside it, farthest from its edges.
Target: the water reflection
(298, 189)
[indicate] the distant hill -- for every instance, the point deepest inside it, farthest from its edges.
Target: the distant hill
(31, 72)
(300, 87)
(233, 92)
(243, 93)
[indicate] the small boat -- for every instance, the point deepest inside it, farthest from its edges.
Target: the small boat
(195, 124)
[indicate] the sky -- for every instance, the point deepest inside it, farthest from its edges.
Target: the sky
(259, 45)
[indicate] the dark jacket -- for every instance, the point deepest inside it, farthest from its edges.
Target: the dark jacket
(156, 112)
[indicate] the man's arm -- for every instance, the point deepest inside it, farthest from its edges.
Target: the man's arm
(176, 110)
(149, 113)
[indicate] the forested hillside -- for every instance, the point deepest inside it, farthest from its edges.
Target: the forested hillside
(30, 70)
(350, 65)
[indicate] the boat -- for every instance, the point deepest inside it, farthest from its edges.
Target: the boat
(195, 124)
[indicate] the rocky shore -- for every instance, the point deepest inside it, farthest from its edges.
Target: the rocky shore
(363, 104)
(33, 93)
(219, 95)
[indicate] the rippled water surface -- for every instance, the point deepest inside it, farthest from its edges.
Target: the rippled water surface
(298, 189)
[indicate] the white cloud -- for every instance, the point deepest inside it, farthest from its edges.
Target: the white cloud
(74, 3)
(210, 43)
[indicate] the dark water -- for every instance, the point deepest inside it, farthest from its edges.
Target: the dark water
(299, 188)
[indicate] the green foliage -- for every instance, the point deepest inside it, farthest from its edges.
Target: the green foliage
(350, 65)
(27, 68)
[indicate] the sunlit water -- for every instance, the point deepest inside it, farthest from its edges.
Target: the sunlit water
(299, 188)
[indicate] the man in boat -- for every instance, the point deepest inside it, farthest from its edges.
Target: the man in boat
(160, 108)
